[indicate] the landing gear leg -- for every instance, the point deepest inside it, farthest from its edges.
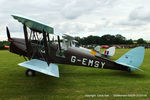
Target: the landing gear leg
(30, 72)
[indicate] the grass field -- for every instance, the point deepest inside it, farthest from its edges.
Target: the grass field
(75, 82)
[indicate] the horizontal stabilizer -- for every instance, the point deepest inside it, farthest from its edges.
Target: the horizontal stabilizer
(41, 66)
(130, 66)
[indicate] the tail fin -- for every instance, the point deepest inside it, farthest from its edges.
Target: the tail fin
(133, 58)
(109, 52)
(97, 48)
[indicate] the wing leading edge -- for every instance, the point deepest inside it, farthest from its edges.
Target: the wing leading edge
(34, 25)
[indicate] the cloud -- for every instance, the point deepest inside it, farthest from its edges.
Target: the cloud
(80, 17)
(76, 8)
(131, 23)
(74, 28)
(140, 14)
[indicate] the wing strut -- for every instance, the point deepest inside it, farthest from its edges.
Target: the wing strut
(47, 58)
(59, 45)
(29, 50)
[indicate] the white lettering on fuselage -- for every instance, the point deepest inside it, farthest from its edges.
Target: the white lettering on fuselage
(102, 63)
(88, 62)
(96, 64)
(73, 59)
(84, 60)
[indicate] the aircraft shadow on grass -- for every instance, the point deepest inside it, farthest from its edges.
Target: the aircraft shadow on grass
(105, 74)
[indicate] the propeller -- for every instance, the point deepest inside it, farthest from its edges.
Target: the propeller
(8, 34)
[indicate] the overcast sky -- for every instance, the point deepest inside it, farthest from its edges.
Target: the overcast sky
(130, 18)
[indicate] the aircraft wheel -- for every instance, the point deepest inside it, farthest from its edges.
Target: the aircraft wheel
(30, 72)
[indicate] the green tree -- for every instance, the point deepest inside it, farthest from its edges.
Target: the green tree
(141, 41)
(130, 41)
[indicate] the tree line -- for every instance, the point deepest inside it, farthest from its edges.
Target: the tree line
(108, 40)
(103, 40)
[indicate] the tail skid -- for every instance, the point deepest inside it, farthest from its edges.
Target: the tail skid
(133, 58)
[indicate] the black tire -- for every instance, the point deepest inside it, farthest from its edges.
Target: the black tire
(30, 72)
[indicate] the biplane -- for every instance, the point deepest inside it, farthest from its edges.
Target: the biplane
(43, 50)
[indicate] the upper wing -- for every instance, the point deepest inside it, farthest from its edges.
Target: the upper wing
(34, 25)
